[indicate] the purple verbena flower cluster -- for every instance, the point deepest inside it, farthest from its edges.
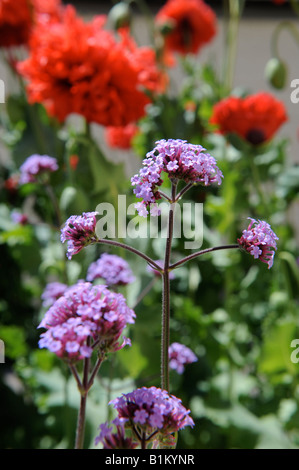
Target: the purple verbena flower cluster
(152, 412)
(79, 231)
(85, 316)
(179, 356)
(34, 166)
(112, 268)
(52, 292)
(181, 161)
(113, 436)
(260, 241)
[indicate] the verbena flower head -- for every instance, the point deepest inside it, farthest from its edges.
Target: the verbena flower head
(180, 160)
(112, 268)
(79, 231)
(34, 166)
(152, 411)
(85, 315)
(192, 24)
(179, 356)
(52, 292)
(114, 436)
(260, 241)
(255, 118)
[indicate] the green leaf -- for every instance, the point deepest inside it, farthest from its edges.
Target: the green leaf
(276, 352)
(133, 360)
(14, 341)
(290, 268)
(107, 176)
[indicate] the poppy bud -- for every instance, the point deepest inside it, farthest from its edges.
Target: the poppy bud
(120, 15)
(276, 73)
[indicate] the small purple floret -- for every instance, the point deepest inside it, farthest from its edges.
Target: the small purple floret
(260, 241)
(79, 231)
(112, 268)
(179, 356)
(34, 166)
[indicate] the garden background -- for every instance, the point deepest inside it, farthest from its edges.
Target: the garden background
(237, 316)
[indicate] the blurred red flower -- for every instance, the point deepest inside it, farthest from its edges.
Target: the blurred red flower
(255, 118)
(18, 18)
(143, 58)
(77, 67)
(121, 137)
(191, 23)
(73, 161)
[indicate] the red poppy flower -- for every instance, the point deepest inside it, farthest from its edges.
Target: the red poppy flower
(151, 76)
(77, 67)
(121, 137)
(18, 18)
(255, 118)
(192, 24)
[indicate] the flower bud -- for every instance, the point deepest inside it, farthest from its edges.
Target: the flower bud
(276, 73)
(120, 15)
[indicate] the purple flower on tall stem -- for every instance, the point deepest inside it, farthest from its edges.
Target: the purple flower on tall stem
(112, 268)
(181, 161)
(79, 231)
(34, 166)
(152, 414)
(260, 241)
(84, 318)
(179, 356)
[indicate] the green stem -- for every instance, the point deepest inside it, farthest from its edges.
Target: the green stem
(183, 191)
(54, 201)
(34, 121)
(146, 11)
(165, 334)
(295, 6)
(82, 410)
(145, 291)
(150, 261)
(284, 25)
(232, 12)
(258, 185)
(202, 252)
